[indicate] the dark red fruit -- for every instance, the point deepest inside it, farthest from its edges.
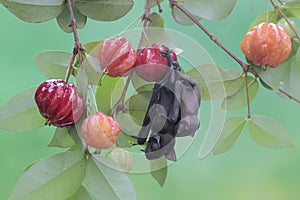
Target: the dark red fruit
(151, 65)
(117, 56)
(59, 102)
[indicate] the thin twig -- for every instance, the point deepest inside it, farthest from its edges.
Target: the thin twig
(78, 49)
(246, 67)
(285, 18)
(267, 10)
(248, 95)
(288, 95)
(70, 67)
(159, 7)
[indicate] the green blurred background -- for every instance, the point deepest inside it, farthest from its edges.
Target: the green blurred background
(247, 172)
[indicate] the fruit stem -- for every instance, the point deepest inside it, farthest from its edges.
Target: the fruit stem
(288, 95)
(248, 96)
(159, 7)
(246, 67)
(284, 17)
(267, 10)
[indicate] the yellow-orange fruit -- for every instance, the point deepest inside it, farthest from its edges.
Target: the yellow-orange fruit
(267, 44)
(100, 130)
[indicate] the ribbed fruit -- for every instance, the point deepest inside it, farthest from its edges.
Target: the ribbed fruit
(122, 157)
(267, 44)
(151, 65)
(100, 131)
(117, 56)
(59, 102)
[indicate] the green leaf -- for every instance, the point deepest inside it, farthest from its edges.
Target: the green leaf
(56, 177)
(53, 64)
(215, 83)
(153, 2)
(82, 81)
(232, 129)
(138, 104)
(106, 180)
(159, 170)
(34, 11)
(291, 9)
(160, 35)
(140, 85)
(269, 133)
(273, 17)
(108, 93)
(127, 124)
(181, 18)
(103, 10)
(81, 194)
(239, 100)
(286, 76)
(156, 20)
(64, 20)
(61, 139)
(20, 113)
(290, 1)
(92, 47)
(210, 9)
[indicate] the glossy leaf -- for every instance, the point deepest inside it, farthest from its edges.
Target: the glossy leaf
(232, 129)
(181, 18)
(34, 11)
(103, 10)
(160, 35)
(61, 139)
(108, 93)
(53, 64)
(286, 76)
(82, 81)
(56, 177)
(156, 20)
(138, 104)
(210, 9)
(20, 113)
(140, 85)
(64, 20)
(127, 124)
(153, 2)
(290, 1)
(159, 170)
(273, 17)
(292, 9)
(81, 194)
(106, 180)
(269, 133)
(239, 100)
(92, 47)
(215, 83)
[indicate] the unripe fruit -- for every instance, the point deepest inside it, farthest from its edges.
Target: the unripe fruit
(100, 131)
(122, 157)
(151, 65)
(59, 102)
(117, 56)
(267, 44)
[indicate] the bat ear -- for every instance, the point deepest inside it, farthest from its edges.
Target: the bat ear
(171, 155)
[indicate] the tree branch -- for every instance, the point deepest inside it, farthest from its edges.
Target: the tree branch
(276, 7)
(78, 49)
(288, 95)
(246, 67)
